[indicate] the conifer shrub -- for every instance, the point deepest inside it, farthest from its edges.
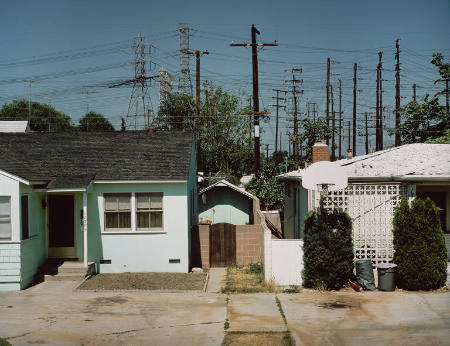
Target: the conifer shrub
(327, 250)
(419, 245)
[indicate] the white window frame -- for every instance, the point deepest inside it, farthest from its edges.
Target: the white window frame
(10, 223)
(151, 229)
(133, 210)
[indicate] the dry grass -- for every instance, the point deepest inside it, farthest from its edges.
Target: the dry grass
(259, 339)
(247, 279)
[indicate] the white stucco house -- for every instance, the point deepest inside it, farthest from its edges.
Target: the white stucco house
(118, 201)
(376, 184)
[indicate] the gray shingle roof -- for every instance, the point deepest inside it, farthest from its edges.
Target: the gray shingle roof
(72, 159)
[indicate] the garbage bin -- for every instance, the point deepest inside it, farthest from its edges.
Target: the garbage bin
(386, 276)
(364, 274)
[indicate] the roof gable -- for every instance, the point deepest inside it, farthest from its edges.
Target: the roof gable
(224, 183)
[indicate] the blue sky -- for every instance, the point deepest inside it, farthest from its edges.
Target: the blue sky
(46, 39)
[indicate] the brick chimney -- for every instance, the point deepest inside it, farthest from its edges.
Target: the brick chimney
(320, 152)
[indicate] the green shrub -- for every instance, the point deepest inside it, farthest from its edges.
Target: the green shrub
(419, 245)
(328, 250)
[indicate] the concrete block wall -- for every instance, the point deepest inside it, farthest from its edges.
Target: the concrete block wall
(248, 244)
(203, 231)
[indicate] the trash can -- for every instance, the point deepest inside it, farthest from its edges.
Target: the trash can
(386, 276)
(364, 274)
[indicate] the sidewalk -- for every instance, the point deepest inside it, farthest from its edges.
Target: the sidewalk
(215, 280)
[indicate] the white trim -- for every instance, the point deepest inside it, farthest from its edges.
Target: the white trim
(135, 232)
(138, 181)
(226, 183)
(133, 211)
(85, 228)
(14, 177)
(65, 190)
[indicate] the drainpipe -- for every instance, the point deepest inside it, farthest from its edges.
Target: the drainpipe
(85, 238)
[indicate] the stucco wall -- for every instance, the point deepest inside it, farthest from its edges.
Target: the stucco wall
(223, 204)
(137, 251)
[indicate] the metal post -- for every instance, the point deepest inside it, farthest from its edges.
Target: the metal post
(85, 228)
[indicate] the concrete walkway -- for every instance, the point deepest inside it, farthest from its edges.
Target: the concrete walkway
(216, 280)
(254, 313)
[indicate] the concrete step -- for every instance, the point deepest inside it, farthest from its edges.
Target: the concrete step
(66, 267)
(64, 277)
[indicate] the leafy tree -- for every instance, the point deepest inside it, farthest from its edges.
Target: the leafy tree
(445, 139)
(266, 187)
(444, 68)
(224, 147)
(42, 117)
(312, 131)
(328, 249)
(422, 121)
(419, 246)
(93, 121)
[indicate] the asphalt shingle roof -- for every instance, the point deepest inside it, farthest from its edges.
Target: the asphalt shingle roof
(72, 159)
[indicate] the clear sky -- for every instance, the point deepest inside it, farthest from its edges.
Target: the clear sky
(73, 49)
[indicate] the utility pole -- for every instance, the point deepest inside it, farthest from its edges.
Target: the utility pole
(414, 92)
(294, 83)
(255, 46)
(379, 115)
(367, 135)
(184, 78)
(397, 92)
(445, 91)
(355, 69)
(328, 97)
(267, 153)
(277, 107)
(380, 54)
(197, 54)
(333, 142)
(340, 119)
(348, 131)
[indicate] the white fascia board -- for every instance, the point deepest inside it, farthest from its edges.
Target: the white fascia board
(139, 181)
(66, 190)
(14, 177)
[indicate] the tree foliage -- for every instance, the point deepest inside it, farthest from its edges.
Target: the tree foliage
(93, 121)
(444, 68)
(266, 187)
(419, 246)
(222, 134)
(42, 117)
(328, 249)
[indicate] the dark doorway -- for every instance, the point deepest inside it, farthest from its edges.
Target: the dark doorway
(222, 245)
(61, 221)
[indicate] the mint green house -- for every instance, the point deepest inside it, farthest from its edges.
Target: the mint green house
(118, 201)
(225, 202)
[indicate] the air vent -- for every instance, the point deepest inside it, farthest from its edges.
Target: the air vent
(105, 261)
(174, 260)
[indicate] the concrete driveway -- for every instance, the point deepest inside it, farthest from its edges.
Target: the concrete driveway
(52, 313)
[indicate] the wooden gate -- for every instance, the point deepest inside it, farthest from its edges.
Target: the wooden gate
(222, 245)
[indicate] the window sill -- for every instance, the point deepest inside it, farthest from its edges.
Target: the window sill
(135, 232)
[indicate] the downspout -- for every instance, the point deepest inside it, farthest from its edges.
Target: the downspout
(85, 237)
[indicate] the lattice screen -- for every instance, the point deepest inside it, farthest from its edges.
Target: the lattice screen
(371, 207)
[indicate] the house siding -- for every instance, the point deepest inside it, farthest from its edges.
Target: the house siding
(139, 252)
(225, 205)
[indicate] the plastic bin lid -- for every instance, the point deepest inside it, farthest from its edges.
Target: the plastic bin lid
(386, 265)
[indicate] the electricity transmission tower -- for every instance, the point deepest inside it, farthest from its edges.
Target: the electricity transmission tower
(165, 85)
(140, 99)
(293, 86)
(184, 78)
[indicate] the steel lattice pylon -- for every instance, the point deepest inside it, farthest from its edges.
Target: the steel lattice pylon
(184, 78)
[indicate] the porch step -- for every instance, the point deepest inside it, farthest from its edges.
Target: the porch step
(62, 270)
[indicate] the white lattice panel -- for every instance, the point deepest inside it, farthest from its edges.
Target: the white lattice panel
(371, 207)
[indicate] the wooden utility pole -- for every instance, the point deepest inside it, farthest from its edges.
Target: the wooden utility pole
(379, 115)
(333, 124)
(340, 119)
(355, 69)
(414, 92)
(277, 105)
(397, 92)
(267, 153)
(349, 136)
(255, 46)
(380, 128)
(197, 54)
(367, 135)
(328, 98)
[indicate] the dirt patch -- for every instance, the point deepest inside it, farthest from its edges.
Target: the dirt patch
(259, 339)
(145, 281)
(246, 279)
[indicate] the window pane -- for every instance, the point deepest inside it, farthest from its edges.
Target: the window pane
(112, 220)
(156, 219)
(125, 220)
(124, 203)
(5, 228)
(5, 207)
(143, 201)
(156, 201)
(143, 220)
(110, 203)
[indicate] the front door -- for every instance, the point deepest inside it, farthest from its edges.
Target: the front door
(61, 226)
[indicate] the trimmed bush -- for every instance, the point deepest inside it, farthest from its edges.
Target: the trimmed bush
(328, 250)
(419, 245)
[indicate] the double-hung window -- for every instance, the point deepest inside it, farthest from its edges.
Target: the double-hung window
(118, 212)
(5, 218)
(149, 211)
